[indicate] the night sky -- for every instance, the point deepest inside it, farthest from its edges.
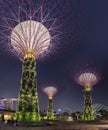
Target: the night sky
(85, 41)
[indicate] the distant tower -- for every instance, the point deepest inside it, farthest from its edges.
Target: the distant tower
(50, 92)
(87, 80)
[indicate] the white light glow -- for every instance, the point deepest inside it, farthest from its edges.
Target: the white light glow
(50, 91)
(30, 36)
(87, 79)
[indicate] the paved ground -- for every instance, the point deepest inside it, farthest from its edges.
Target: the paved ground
(102, 126)
(59, 126)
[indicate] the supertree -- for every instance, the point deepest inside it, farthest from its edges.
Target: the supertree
(30, 38)
(88, 80)
(30, 26)
(50, 92)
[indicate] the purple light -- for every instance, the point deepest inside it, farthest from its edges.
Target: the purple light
(87, 79)
(30, 37)
(30, 27)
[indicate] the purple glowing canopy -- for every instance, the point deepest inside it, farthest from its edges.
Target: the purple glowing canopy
(31, 26)
(87, 79)
(50, 91)
(30, 37)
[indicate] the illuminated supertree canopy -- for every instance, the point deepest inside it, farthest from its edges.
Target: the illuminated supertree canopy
(30, 37)
(31, 27)
(87, 79)
(50, 91)
(87, 74)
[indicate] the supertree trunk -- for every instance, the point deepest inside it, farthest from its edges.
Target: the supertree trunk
(88, 114)
(50, 112)
(28, 107)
